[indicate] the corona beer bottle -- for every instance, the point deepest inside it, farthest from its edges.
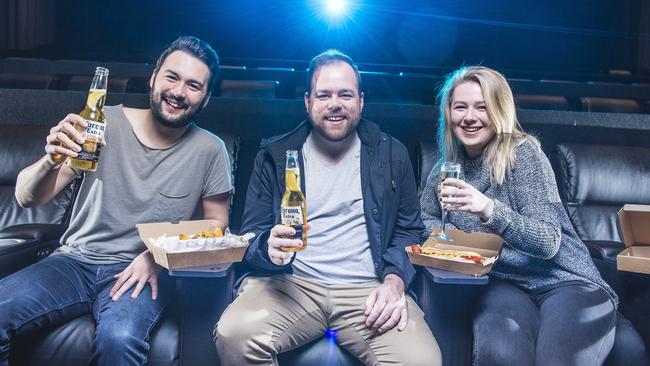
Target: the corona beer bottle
(93, 113)
(294, 207)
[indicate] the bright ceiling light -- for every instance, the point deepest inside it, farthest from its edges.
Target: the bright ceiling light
(336, 8)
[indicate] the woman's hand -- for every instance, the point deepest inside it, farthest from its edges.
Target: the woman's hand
(456, 195)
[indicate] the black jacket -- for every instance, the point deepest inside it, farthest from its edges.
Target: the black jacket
(390, 200)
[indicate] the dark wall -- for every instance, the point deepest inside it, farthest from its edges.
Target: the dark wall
(559, 35)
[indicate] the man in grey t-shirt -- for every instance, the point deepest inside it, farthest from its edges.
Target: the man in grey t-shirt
(156, 166)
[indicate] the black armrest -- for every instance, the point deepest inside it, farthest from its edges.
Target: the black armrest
(453, 278)
(447, 300)
(604, 249)
(22, 245)
(33, 232)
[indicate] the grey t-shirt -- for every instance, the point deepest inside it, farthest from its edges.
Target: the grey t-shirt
(338, 249)
(136, 184)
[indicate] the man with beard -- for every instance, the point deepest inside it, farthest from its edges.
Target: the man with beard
(157, 165)
(362, 210)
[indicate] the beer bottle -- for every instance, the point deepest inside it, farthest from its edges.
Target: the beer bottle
(294, 207)
(93, 113)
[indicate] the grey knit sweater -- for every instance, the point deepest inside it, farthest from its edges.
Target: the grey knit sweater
(541, 247)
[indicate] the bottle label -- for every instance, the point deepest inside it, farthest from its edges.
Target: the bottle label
(93, 133)
(95, 129)
(293, 216)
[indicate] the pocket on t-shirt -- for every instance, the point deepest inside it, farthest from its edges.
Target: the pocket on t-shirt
(174, 205)
(174, 194)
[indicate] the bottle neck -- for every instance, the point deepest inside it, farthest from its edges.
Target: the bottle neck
(292, 178)
(100, 80)
(97, 93)
(96, 99)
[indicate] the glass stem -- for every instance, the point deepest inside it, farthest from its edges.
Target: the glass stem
(444, 221)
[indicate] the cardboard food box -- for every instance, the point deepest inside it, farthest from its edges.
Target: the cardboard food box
(485, 244)
(187, 259)
(635, 225)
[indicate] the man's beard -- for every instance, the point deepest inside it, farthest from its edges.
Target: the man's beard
(155, 102)
(353, 122)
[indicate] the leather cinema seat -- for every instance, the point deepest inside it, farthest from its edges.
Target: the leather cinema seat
(27, 81)
(27, 235)
(82, 83)
(70, 344)
(611, 105)
(546, 102)
(21, 146)
(427, 155)
(594, 182)
(248, 88)
(138, 85)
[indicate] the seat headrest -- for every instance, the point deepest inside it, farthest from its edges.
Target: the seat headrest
(610, 175)
(611, 105)
(427, 155)
(20, 146)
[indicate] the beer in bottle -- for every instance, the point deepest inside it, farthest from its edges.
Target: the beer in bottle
(93, 113)
(294, 207)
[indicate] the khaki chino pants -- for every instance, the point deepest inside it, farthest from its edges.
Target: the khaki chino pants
(276, 314)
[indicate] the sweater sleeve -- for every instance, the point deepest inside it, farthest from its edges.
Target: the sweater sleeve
(430, 207)
(533, 226)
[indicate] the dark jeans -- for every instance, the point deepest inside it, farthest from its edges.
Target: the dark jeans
(60, 288)
(569, 324)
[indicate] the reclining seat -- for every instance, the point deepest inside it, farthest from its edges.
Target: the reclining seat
(594, 182)
(27, 235)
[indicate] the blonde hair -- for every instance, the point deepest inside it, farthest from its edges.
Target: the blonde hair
(499, 153)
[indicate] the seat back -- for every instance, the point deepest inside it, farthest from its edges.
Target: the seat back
(20, 146)
(248, 88)
(82, 83)
(26, 81)
(548, 102)
(611, 105)
(595, 181)
(426, 155)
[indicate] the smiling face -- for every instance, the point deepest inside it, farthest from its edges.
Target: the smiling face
(334, 104)
(179, 89)
(468, 118)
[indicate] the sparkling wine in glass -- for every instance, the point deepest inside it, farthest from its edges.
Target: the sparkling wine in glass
(447, 170)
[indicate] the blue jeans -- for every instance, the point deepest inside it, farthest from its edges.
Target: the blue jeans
(568, 324)
(60, 288)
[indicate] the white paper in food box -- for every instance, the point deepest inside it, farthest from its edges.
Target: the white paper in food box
(187, 259)
(485, 244)
(635, 225)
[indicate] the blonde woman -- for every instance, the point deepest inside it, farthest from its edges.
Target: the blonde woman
(546, 303)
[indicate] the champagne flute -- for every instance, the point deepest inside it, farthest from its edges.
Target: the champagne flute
(447, 170)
